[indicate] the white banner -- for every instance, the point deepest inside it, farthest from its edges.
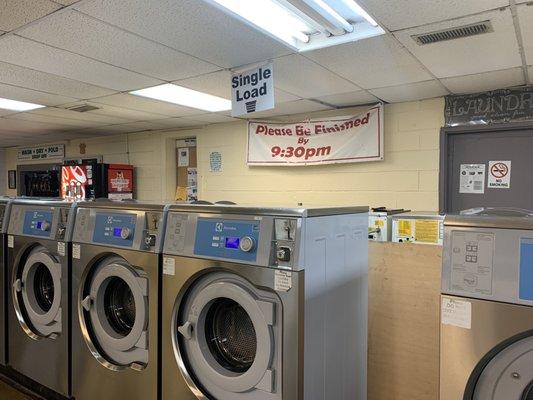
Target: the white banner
(342, 140)
(42, 152)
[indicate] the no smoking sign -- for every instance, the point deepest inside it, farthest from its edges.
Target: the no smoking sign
(499, 174)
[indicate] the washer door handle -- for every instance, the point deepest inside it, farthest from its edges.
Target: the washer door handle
(17, 285)
(186, 330)
(86, 303)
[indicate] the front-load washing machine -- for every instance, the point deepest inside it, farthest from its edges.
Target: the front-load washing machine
(264, 303)
(486, 350)
(115, 294)
(38, 285)
(4, 220)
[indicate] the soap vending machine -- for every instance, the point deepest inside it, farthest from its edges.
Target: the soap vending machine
(418, 227)
(380, 223)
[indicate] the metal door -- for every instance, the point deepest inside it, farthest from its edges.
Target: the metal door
(481, 147)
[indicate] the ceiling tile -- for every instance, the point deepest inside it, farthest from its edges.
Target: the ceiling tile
(305, 78)
(170, 123)
(16, 13)
(213, 118)
(37, 80)
(27, 53)
(133, 127)
(144, 104)
(94, 117)
(13, 125)
(66, 2)
(411, 92)
(349, 99)
(6, 112)
(90, 37)
(525, 16)
(291, 107)
(410, 13)
(194, 27)
(30, 116)
(32, 96)
(485, 81)
(371, 63)
(219, 84)
(470, 55)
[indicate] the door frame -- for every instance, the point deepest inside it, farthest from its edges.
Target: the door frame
(446, 132)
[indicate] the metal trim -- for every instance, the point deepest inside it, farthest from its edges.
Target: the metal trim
(262, 211)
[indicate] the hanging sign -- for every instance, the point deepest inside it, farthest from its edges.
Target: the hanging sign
(472, 178)
(343, 140)
(41, 152)
(499, 175)
(497, 106)
(252, 90)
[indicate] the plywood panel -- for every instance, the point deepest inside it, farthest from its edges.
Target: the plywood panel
(404, 289)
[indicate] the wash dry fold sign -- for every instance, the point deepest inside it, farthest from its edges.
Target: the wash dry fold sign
(252, 90)
(341, 140)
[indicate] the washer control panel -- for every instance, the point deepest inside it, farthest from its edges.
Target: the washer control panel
(225, 238)
(48, 222)
(37, 223)
(115, 229)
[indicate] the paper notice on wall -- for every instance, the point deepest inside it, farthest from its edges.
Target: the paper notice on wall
(499, 175)
(427, 231)
(215, 161)
(456, 313)
(181, 193)
(192, 174)
(183, 157)
(472, 178)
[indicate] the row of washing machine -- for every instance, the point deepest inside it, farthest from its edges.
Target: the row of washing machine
(143, 301)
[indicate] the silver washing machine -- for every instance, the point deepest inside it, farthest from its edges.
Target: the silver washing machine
(115, 301)
(38, 285)
(486, 350)
(264, 303)
(4, 220)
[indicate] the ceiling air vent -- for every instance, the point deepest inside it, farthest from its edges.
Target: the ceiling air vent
(83, 108)
(454, 33)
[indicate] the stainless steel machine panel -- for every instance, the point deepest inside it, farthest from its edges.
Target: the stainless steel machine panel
(4, 220)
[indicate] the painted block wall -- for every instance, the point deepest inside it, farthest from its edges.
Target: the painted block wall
(407, 178)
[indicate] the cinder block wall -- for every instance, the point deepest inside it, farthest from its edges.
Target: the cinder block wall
(407, 178)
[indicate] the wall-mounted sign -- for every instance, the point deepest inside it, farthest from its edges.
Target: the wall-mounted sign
(342, 140)
(499, 175)
(41, 152)
(215, 161)
(472, 178)
(252, 90)
(497, 106)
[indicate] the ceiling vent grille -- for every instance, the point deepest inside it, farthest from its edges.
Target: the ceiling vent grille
(83, 108)
(454, 33)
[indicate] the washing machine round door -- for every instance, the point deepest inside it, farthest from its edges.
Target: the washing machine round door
(508, 374)
(37, 294)
(115, 314)
(226, 338)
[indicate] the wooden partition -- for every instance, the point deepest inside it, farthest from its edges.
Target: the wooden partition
(404, 292)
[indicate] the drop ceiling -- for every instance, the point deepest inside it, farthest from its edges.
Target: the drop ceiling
(67, 53)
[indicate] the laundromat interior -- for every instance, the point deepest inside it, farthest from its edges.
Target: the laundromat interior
(266, 200)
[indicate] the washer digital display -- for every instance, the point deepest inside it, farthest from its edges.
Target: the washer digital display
(232, 242)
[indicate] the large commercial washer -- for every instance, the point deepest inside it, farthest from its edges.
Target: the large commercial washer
(486, 348)
(4, 220)
(115, 294)
(38, 283)
(264, 303)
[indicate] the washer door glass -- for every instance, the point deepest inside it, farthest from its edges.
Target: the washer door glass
(37, 294)
(114, 306)
(227, 338)
(508, 375)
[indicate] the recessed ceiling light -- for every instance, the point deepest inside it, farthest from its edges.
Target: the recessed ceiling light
(15, 105)
(185, 97)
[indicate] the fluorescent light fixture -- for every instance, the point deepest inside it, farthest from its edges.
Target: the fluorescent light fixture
(15, 105)
(270, 16)
(330, 14)
(185, 97)
(359, 10)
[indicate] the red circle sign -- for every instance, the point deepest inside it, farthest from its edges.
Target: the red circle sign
(499, 170)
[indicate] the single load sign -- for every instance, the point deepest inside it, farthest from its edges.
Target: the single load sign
(252, 90)
(499, 175)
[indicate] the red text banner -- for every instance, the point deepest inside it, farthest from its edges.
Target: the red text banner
(341, 140)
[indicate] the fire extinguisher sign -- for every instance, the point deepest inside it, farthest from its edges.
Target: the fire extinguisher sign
(252, 90)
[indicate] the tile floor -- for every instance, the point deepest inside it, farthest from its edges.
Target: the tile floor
(8, 392)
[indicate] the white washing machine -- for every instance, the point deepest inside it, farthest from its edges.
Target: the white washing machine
(38, 263)
(4, 221)
(486, 349)
(115, 301)
(264, 303)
